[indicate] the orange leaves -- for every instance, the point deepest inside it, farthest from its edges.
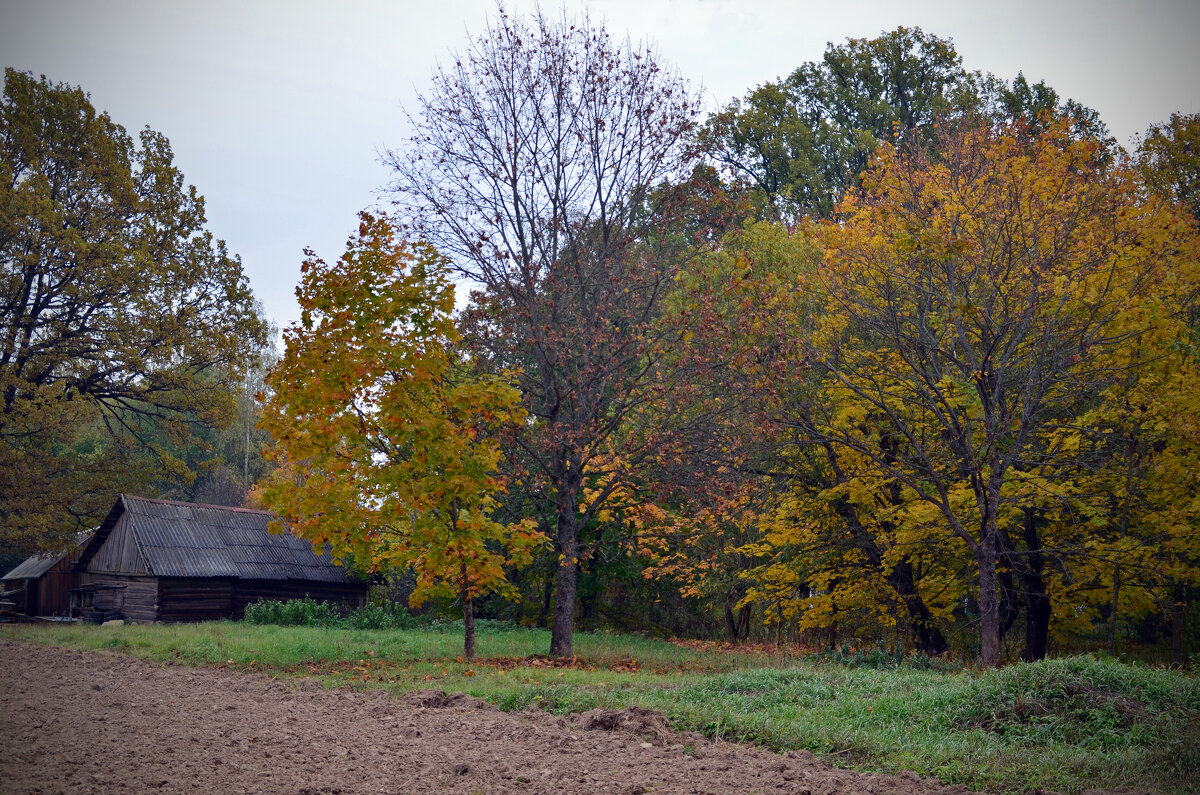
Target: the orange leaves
(387, 437)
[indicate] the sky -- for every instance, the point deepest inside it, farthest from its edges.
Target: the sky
(278, 110)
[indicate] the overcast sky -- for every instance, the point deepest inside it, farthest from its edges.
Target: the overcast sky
(277, 111)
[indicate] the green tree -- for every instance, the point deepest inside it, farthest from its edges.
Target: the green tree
(1035, 106)
(385, 439)
(225, 461)
(764, 141)
(121, 319)
(1169, 159)
(804, 140)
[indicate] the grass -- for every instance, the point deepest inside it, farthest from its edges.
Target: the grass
(1067, 724)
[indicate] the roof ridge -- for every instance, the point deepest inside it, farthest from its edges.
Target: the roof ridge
(183, 504)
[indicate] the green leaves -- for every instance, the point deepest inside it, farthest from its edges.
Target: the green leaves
(123, 324)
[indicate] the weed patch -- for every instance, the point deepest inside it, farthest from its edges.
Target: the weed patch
(1080, 701)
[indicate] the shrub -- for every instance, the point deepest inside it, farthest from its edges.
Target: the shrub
(382, 615)
(306, 612)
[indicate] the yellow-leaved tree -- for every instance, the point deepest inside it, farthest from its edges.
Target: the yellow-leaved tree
(387, 442)
(979, 302)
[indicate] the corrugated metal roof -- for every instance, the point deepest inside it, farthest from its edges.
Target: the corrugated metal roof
(186, 540)
(36, 566)
(33, 568)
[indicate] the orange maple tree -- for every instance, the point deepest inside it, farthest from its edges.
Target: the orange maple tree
(385, 437)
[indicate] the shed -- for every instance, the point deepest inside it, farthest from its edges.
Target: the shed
(40, 585)
(185, 562)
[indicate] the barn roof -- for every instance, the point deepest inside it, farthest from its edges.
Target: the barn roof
(37, 565)
(179, 539)
(33, 567)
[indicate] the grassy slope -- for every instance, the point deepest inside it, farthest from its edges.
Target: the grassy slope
(1061, 724)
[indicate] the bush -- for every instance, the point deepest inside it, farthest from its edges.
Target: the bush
(384, 615)
(306, 612)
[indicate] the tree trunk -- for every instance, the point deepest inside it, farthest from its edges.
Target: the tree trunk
(1037, 627)
(731, 627)
(1010, 600)
(929, 638)
(565, 584)
(985, 555)
(901, 578)
(1113, 611)
(989, 604)
(1178, 603)
(743, 625)
(1037, 602)
(468, 608)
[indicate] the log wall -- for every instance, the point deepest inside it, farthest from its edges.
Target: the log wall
(138, 601)
(195, 598)
(184, 599)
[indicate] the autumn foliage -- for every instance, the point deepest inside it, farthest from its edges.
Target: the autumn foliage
(969, 393)
(887, 351)
(384, 437)
(967, 400)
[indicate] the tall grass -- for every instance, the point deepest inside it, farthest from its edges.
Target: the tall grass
(1067, 725)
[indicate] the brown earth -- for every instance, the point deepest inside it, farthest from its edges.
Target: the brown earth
(81, 722)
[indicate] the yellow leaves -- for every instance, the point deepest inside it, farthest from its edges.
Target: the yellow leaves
(388, 439)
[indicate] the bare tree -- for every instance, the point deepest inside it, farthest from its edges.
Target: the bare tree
(541, 165)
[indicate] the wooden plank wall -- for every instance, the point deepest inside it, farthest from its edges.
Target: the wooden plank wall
(140, 596)
(119, 554)
(47, 595)
(51, 590)
(195, 598)
(52, 599)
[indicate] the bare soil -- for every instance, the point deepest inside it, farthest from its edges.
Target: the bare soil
(81, 722)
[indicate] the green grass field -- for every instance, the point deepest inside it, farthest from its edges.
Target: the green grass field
(1068, 724)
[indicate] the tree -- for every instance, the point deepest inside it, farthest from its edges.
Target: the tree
(1038, 105)
(979, 304)
(804, 140)
(1169, 159)
(385, 438)
(772, 519)
(121, 319)
(537, 166)
(766, 142)
(225, 461)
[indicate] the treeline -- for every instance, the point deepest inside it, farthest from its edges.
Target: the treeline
(886, 350)
(883, 351)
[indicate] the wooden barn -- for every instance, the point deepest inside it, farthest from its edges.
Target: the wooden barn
(40, 585)
(158, 560)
